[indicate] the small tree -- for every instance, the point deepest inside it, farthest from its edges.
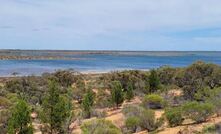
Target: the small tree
(87, 103)
(20, 122)
(117, 93)
(129, 92)
(55, 109)
(154, 81)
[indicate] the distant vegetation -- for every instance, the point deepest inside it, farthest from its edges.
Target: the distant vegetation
(64, 97)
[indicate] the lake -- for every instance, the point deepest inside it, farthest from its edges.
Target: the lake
(104, 62)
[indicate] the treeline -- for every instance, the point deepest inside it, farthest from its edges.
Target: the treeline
(64, 97)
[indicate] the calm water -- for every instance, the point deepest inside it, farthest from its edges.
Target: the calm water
(108, 62)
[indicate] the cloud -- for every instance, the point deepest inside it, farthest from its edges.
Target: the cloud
(115, 20)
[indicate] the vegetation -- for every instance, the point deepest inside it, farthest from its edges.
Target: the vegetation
(198, 112)
(154, 81)
(68, 95)
(129, 92)
(20, 121)
(174, 116)
(99, 126)
(153, 101)
(117, 93)
(87, 103)
(132, 123)
(55, 109)
(145, 117)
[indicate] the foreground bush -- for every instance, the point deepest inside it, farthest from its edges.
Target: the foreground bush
(174, 116)
(153, 101)
(99, 126)
(198, 112)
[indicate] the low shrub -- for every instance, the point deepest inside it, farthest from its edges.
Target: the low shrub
(198, 112)
(174, 116)
(153, 101)
(99, 126)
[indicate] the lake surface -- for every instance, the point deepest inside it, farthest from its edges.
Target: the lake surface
(107, 62)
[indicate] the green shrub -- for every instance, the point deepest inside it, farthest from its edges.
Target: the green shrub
(153, 101)
(198, 112)
(99, 126)
(174, 116)
(132, 123)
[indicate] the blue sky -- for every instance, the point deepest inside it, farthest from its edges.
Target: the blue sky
(111, 24)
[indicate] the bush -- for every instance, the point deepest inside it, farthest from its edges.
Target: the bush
(132, 123)
(146, 116)
(153, 101)
(99, 126)
(174, 116)
(198, 112)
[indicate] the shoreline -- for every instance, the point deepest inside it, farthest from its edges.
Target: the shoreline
(88, 72)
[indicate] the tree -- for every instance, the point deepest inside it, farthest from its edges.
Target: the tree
(154, 81)
(87, 103)
(55, 109)
(20, 121)
(117, 93)
(129, 92)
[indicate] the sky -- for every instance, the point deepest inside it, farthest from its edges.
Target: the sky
(147, 25)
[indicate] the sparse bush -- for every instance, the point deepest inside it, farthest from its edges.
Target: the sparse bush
(153, 101)
(174, 116)
(198, 112)
(99, 126)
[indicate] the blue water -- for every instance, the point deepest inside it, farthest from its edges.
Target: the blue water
(108, 62)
